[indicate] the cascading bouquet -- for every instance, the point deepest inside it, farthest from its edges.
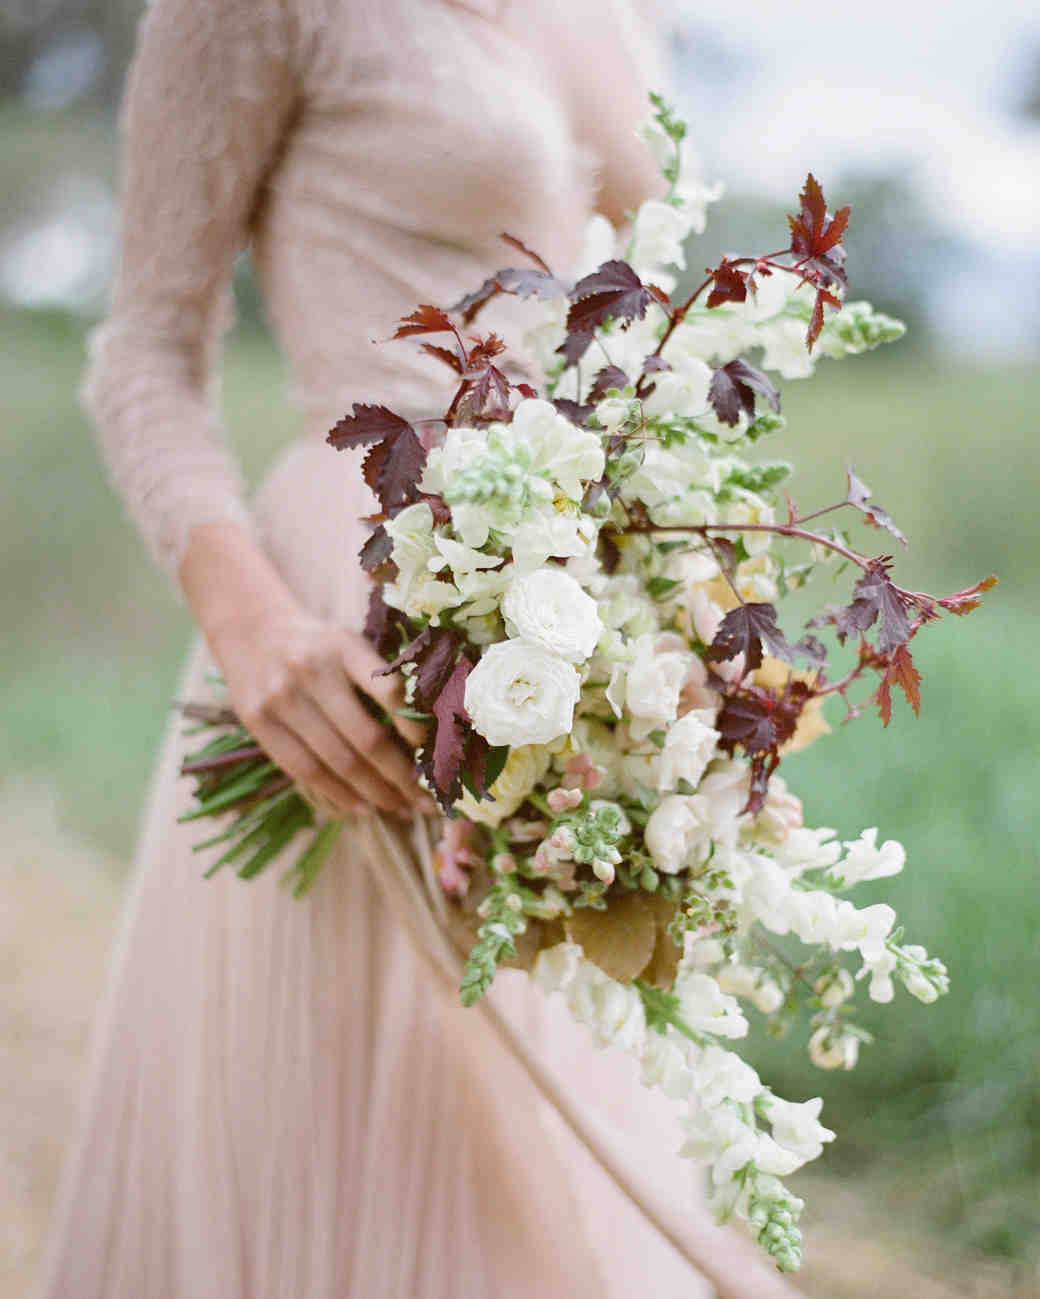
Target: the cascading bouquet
(578, 587)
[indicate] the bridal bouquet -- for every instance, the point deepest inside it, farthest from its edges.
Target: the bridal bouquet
(579, 586)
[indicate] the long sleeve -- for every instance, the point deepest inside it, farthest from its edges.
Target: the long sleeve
(209, 99)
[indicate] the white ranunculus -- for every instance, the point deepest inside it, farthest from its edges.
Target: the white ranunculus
(688, 748)
(677, 832)
(521, 693)
(569, 455)
(550, 608)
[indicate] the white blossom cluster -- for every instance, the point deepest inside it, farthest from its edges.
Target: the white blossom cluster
(723, 1101)
(591, 673)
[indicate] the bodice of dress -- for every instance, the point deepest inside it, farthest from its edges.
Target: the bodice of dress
(373, 150)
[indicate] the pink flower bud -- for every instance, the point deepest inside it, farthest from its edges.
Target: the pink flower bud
(504, 863)
(563, 800)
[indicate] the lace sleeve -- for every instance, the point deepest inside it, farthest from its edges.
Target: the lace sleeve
(208, 100)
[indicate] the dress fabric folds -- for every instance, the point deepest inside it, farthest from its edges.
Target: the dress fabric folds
(284, 1102)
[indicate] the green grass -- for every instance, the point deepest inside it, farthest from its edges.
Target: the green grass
(93, 639)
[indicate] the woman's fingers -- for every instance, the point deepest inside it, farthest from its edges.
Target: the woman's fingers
(363, 665)
(309, 722)
(302, 764)
(334, 693)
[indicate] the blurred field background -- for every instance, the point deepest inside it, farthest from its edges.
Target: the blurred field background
(932, 1187)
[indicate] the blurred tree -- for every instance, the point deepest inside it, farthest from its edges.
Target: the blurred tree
(54, 52)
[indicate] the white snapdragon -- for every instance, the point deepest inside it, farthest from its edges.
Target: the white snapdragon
(796, 1125)
(658, 235)
(677, 832)
(549, 608)
(721, 1075)
(706, 1008)
(753, 983)
(666, 1065)
(833, 1049)
(521, 693)
(415, 589)
(567, 454)
(548, 532)
(864, 860)
(681, 390)
(688, 748)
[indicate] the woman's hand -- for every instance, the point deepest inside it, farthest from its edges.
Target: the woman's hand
(294, 679)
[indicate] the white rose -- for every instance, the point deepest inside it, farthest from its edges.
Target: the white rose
(677, 832)
(550, 608)
(520, 693)
(688, 748)
(571, 456)
(524, 768)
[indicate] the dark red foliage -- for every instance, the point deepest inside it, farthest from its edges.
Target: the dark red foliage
(382, 624)
(394, 465)
(859, 496)
(613, 292)
(733, 388)
(816, 243)
(759, 722)
(521, 247)
(962, 602)
(442, 758)
(377, 550)
(728, 284)
(367, 424)
(744, 630)
(900, 672)
(611, 376)
(425, 319)
(576, 412)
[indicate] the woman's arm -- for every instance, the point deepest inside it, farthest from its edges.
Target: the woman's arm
(210, 104)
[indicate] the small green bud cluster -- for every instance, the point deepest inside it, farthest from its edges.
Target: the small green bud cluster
(858, 328)
(503, 913)
(496, 479)
(773, 1214)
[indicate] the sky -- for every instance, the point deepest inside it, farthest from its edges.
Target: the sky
(774, 89)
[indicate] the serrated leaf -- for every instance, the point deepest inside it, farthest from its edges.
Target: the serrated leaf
(576, 412)
(367, 424)
(733, 387)
(451, 731)
(744, 630)
(425, 319)
(879, 593)
(612, 292)
(962, 602)
(435, 665)
(376, 550)
(859, 495)
(401, 469)
(728, 284)
(450, 358)
(611, 376)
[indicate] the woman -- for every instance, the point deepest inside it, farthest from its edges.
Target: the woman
(284, 1104)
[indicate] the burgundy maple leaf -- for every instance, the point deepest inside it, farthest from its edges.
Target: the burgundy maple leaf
(733, 387)
(900, 672)
(729, 284)
(612, 292)
(611, 376)
(744, 630)
(816, 242)
(396, 461)
(442, 758)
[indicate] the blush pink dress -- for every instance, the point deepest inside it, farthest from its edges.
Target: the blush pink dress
(283, 1101)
